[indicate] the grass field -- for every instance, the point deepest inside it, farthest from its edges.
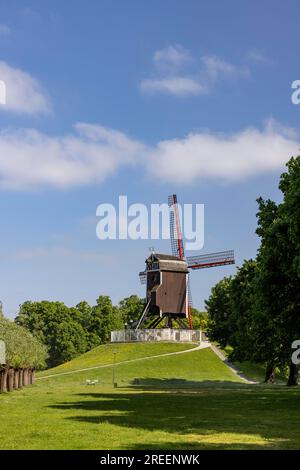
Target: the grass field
(185, 401)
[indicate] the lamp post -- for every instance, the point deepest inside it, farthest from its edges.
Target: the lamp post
(113, 369)
(131, 322)
(125, 328)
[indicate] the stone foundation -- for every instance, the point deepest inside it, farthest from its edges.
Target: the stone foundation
(156, 335)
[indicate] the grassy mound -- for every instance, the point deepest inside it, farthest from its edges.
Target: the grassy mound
(104, 354)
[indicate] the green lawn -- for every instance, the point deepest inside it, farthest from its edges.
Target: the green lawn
(254, 371)
(188, 401)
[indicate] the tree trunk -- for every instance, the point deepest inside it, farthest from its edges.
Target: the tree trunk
(270, 374)
(293, 375)
(25, 377)
(10, 379)
(17, 376)
(3, 384)
(33, 376)
(21, 378)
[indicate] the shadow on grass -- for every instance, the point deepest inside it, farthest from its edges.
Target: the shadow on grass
(171, 383)
(215, 415)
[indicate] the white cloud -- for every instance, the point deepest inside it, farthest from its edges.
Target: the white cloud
(4, 29)
(29, 158)
(206, 156)
(171, 58)
(179, 86)
(259, 57)
(216, 68)
(24, 94)
(179, 74)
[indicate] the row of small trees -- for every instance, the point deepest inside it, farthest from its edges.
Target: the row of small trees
(24, 354)
(257, 312)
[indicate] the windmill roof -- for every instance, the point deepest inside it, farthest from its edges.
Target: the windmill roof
(169, 262)
(162, 256)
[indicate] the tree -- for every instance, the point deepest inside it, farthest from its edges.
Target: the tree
(131, 308)
(242, 312)
(279, 273)
(57, 326)
(290, 213)
(258, 312)
(199, 319)
(219, 308)
(104, 319)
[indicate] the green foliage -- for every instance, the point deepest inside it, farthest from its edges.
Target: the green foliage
(219, 308)
(104, 318)
(57, 326)
(131, 308)
(22, 349)
(257, 312)
(242, 318)
(68, 332)
(278, 286)
(199, 320)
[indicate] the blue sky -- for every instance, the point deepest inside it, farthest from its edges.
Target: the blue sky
(145, 99)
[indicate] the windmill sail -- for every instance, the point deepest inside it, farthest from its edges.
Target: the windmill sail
(178, 247)
(175, 229)
(211, 260)
(143, 277)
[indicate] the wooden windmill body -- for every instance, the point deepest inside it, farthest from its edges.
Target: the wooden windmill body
(168, 293)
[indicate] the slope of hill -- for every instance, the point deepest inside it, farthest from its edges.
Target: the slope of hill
(104, 354)
(139, 363)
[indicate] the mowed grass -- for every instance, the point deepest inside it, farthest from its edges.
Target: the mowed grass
(185, 401)
(104, 354)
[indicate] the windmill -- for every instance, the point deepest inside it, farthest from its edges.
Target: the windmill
(167, 277)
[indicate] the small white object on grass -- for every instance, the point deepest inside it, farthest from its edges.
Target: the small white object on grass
(91, 382)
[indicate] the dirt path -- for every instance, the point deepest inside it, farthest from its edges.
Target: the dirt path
(229, 364)
(203, 345)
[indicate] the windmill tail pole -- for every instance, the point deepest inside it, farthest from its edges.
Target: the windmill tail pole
(143, 315)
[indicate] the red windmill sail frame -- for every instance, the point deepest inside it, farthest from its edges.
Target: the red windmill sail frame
(174, 207)
(220, 258)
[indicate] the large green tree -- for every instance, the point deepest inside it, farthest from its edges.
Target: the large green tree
(258, 311)
(56, 326)
(279, 273)
(104, 318)
(219, 309)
